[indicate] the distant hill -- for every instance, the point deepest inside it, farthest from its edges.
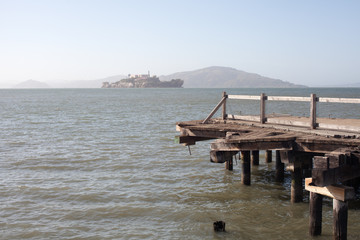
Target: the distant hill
(342, 85)
(32, 84)
(355, 85)
(225, 77)
(86, 83)
(211, 77)
(350, 85)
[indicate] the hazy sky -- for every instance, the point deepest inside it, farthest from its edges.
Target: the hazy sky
(310, 42)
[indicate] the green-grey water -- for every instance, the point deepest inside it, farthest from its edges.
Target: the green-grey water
(102, 164)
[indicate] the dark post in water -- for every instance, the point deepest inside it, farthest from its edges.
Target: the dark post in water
(279, 168)
(255, 157)
(245, 168)
(268, 156)
(315, 213)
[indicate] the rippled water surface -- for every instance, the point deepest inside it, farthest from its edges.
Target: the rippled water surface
(102, 164)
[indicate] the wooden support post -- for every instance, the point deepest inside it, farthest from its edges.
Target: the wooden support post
(214, 110)
(296, 184)
(268, 156)
(229, 164)
(223, 157)
(340, 217)
(341, 195)
(224, 106)
(313, 111)
(315, 213)
(262, 108)
(245, 168)
(255, 157)
(279, 168)
(217, 157)
(287, 157)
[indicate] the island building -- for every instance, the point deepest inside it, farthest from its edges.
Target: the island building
(144, 81)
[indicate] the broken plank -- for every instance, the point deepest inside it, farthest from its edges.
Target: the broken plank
(189, 139)
(249, 146)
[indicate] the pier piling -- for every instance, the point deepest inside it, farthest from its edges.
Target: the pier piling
(245, 168)
(279, 168)
(268, 156)
(315, 218)
(219, 226)
(296, 183)
(255, 157)
(340, 218)
(229, 164)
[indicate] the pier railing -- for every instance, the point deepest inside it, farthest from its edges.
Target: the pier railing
(312, 120)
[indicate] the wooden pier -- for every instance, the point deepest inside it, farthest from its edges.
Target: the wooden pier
(327, 148)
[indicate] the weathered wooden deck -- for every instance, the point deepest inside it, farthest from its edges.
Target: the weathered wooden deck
(329, 148)
(239, 135)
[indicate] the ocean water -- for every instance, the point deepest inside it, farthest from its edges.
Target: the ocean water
(102, 164)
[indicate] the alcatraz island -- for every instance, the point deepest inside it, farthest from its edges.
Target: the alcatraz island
(144, 81)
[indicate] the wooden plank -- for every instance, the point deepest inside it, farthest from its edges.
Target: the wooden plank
(296, 99)
(260, 137)
(339, 127)
(339, 100)
(189, 139)
(249, 146)
(285, 98)
(246, 118)
(270, 98)
(186, 141)
(214, 110)
(287, 122)
(178, 128)
(320, 146)
(339, 192)
(244, 97)
(209, 133)
(255, 139)
(269, 135)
